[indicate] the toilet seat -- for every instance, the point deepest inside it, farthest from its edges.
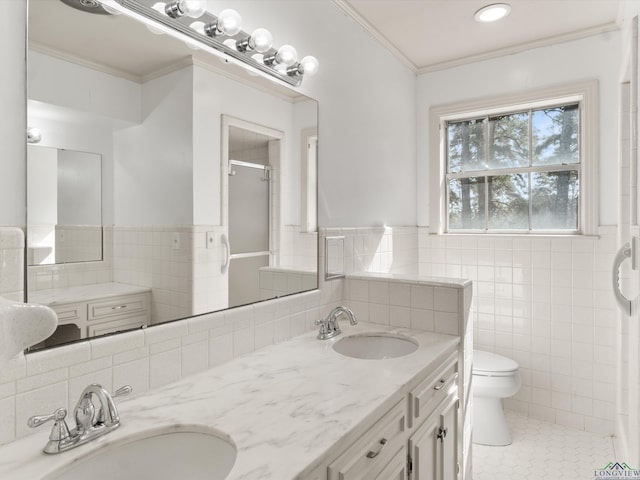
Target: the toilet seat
(489, 364)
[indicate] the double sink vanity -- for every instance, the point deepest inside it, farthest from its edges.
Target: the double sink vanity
(385, 407)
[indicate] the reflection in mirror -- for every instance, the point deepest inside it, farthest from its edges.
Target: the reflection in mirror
(164, 122)
(334, 257)
(64, 198)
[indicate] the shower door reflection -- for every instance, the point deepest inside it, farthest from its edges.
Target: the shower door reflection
(249, 229)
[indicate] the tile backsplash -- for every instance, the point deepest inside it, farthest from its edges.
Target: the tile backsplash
(544, 301)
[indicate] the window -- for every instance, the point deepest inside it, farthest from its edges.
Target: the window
(521, 167)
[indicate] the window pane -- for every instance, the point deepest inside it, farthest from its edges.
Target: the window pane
(509, 141)
(466, 145)
(555, 200)
(509, 202)
(555, 135)
(466, 203)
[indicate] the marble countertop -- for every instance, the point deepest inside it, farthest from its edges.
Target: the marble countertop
(285, 406)
(84, 293)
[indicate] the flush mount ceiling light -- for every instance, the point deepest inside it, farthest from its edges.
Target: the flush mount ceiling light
(492, 13)
(219, 34)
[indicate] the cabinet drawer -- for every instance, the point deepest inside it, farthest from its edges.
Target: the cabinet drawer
(396, 469)
(117, 306)
(370, 455)
(70, 313)
(116, 325)
(424, 398)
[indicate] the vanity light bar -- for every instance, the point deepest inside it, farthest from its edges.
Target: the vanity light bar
(237, 45)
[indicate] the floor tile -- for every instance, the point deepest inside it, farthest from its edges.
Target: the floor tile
(543, 450)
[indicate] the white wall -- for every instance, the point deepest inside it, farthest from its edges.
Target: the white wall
(153, 160)
(42, 173)
(367, 111)
(13, 114)
(79, 196)
(104, 103)
(595, 57)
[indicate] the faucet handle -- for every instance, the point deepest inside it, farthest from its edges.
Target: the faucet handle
(121, 392)
(60, 431)
(37, 420)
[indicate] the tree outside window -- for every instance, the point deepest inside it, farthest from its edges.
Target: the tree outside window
(518, 171)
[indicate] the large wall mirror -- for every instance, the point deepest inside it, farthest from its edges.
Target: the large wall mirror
(166, 184)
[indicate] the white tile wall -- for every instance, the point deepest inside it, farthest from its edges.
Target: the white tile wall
(178, 263)
(158, 257)
(278, 281)
(545, 302)
(378, 249)
(78, 243)
(297, 249)
(42, 277)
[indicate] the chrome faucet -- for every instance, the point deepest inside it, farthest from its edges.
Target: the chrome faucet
(90, 422)
(329, 327)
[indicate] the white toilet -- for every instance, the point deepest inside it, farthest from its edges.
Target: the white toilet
(494, 377)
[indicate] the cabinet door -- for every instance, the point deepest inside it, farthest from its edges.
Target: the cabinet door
(434, 445)
(423, 448)
(449, 444)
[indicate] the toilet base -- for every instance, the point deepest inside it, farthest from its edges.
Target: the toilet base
(489, 423)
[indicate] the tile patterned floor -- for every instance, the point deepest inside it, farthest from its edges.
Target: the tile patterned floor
(543, 450)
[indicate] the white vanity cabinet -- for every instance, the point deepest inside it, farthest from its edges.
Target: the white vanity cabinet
(433, 448)
(377, 451)
(433, 444)
(117, 313)
(106, 308)
(417, 439)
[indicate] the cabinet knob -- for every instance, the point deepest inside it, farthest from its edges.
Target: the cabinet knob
(442, 433)
(375, 453)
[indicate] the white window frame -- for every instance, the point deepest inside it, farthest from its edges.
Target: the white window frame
(584, 93)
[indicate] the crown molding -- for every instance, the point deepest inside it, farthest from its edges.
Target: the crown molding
(375, 33)
(501, 52)
(384, 41)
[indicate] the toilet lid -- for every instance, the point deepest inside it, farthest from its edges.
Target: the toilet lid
(487, 363)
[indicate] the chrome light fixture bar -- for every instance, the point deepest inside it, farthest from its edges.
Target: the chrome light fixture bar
(221, 35)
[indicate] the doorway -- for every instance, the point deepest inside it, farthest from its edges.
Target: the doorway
(252, 159)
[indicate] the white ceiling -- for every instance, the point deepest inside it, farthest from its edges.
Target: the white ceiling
(106, 42)
(425, 34)
(434, 34)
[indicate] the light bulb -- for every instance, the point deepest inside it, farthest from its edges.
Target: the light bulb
(261, 40)
(193, 8)
(229, 22)
(34, 135)
(190, 8)
(287, 55)
(309, 65)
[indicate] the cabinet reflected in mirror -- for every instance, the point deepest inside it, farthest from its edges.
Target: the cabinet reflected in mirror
(156, 114)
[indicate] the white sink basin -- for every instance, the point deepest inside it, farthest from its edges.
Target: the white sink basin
(170, 455)
(373, 346)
